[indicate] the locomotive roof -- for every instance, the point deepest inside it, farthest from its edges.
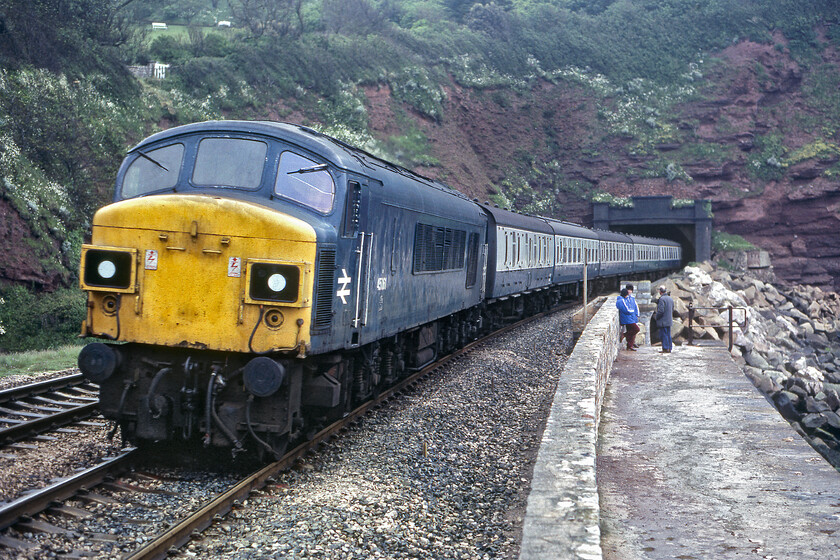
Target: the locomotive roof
(338, 152)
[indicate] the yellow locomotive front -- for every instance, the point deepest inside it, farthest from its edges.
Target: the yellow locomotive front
(200, 282)
(198, 271)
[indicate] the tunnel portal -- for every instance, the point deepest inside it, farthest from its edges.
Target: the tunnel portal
(689, 224)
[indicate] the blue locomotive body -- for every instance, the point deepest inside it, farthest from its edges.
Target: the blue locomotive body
(389, 269)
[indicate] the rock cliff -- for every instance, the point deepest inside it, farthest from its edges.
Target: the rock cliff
(758, 138)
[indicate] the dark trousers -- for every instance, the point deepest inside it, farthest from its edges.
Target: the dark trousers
(665, 337)
(630, 334)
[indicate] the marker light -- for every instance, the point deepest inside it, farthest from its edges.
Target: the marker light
(276, 282)
(106, 269)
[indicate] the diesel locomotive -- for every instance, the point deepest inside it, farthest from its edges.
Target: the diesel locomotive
(253, 281)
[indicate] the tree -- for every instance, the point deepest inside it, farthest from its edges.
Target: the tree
(55, 34)
(278, 18)
(351, 16)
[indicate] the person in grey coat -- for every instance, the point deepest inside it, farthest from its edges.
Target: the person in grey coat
(664, 317)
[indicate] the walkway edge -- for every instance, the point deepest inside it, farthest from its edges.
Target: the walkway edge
(562, 520)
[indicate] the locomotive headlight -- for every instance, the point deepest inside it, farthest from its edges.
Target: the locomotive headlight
(108, 269)
(274, 282)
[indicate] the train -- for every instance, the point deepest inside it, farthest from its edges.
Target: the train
(253, 281)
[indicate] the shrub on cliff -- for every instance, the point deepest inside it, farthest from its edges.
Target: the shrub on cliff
(37, 321)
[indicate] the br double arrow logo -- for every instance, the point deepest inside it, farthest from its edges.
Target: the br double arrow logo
(344, 290)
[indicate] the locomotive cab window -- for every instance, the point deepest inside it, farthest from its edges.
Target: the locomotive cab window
(153, 170)
(305, 181)
(229, 162)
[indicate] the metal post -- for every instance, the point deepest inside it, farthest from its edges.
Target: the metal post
(585, 291)
(690, 322)
(730, 328)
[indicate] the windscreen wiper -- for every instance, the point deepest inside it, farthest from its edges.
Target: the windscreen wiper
(152, 160)
(313, 169)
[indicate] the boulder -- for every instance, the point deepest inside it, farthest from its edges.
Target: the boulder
(776, 375)
(814, 405)
(798, 362)
(832, 419)
(676, 329)
(813, 421)
(806, 329)
(832, 399)
(775, 358)
(812, 374)
(831, 387)
(756, 360)
(786, 405)
(680, 307)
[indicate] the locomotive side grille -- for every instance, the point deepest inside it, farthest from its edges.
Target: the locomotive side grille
(437, 248)
(323, 296)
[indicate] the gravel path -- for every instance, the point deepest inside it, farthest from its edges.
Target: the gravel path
(373, 494)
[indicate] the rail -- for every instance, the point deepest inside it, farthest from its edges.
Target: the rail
(29, 410)
(728, 326)
(23, 391)
(39, 500)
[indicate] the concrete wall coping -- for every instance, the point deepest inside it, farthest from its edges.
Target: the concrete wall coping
(562, 520)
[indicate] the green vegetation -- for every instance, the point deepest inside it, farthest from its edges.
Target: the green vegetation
(616, 201)
(722, 241)
(37, 361)
(33, 321)
(767, 160)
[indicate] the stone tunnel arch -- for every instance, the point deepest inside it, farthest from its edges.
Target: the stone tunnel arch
(690, 225)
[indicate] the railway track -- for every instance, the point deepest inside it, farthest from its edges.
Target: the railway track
(23, 513)
(30, 410)
(179, 534)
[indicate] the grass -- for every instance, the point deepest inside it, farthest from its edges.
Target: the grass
(180, 31)
(38, 361)
(722, 241)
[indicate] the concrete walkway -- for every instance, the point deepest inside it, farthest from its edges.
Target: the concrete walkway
(693, 463)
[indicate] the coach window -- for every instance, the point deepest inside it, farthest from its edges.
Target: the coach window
(152, 171)
(215, 165)
(305, 181)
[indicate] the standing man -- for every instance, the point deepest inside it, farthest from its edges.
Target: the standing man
(664, 319)
(628, 317)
